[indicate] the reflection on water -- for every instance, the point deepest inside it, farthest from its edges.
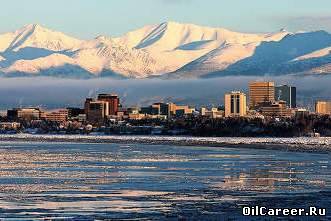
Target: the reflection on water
(113, 181)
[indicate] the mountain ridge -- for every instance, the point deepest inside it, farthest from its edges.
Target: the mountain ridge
(166, 50)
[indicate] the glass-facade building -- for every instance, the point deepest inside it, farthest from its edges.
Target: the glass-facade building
(288, 94)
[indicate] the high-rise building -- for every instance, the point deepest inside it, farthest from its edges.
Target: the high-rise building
(87, 106)
(323, 107)
(96, 111)
(235, 104)
(288, 94)
(261, 92)
(113, 102)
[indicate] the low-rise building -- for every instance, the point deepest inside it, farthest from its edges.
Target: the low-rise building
(276, 109)
(59, 116)
(323, 107)
(9, 125)
(74, 112)
(137, 116)
(167, 110)
(151, 110)
(26, 114)
(184, 110)
(301, 113)
(81, 118)
(214, 113)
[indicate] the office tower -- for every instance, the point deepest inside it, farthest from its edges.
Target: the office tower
(288, 94)
(323, 107)
(235, 104)
(113, 101)
(87, 106)
(261, 92)
(96, 111)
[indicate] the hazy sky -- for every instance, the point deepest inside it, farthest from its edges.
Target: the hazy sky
(56, 93)
(88, 18)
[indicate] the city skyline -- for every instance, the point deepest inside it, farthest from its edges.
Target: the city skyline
(114, 18)
(107, 112)
(259, 93)
(165, 109)
(29, 91)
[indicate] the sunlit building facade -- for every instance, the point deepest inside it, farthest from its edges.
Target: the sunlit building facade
(235, 104)
(113, 102)
(57, 116)
(261, 92)
(96, 111)
(323, 107)
(276, 109)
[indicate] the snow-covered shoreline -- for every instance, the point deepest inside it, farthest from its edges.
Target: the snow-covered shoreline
(289, 144)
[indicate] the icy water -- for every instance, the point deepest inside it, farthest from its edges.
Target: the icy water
(155, 182)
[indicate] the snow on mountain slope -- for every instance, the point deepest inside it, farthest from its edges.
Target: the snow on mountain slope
(324, 69)
(176, 45)
(280, 57)
(169, 49)
(95, 56)
(319, 53)
(40, 64)
(38, 37)
(171, 35)
(133, 38)
(118, 58)
(5, 40)
(218, 59)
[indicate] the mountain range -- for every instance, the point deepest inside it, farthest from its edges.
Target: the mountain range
(168, 50)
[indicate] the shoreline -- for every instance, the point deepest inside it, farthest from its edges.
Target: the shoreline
(299, 144)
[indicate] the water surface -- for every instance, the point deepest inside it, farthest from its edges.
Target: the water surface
(160, 182)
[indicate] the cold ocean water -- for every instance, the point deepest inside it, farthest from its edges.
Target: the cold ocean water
(156, 182)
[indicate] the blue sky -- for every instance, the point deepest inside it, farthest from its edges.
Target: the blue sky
(89, 18)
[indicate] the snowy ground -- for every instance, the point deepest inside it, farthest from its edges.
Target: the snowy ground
(322, 144)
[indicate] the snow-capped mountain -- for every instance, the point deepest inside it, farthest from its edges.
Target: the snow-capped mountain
(168, 50)
(38, 37)
(295, 53)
